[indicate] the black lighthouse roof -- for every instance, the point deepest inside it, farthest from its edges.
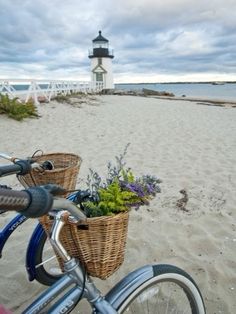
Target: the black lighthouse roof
(100, 38)
(101, 48)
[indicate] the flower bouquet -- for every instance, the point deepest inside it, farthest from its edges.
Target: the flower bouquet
(119, 192)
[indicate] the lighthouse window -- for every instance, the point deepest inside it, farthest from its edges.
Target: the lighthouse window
(99, 61)
(99, 77)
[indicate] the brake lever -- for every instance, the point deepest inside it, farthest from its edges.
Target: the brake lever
(54, 189)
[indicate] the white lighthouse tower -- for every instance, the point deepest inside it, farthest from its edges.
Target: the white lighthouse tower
(101, 62)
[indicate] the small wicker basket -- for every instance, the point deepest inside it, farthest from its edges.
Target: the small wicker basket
(65, 172)
(99, 242)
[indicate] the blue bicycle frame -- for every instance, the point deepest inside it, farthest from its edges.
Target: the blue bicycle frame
(33, 242)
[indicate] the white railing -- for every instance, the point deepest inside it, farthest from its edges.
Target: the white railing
(45, 89)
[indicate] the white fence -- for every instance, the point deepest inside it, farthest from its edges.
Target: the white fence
(45, 89)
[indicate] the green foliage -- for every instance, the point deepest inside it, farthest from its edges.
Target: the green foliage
(16, 110)
(62, 98)
(112, 200)
(66, 98)
(127, 175)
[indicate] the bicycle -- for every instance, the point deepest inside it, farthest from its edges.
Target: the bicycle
(149, 289)
(40, 256)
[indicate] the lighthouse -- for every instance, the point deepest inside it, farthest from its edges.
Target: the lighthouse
(101, 62)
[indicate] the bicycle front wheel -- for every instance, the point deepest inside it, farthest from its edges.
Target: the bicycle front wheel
(168, 290)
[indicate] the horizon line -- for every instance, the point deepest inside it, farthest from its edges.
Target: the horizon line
(178, 82)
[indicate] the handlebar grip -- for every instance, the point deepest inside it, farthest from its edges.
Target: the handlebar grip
(14, 200)
(19, 167)
(9, 169)
(33, 202)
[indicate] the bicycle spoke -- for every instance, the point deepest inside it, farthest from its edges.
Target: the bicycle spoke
(46, 261)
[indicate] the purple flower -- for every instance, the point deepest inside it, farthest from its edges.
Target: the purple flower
(135, 188)
(150, 189)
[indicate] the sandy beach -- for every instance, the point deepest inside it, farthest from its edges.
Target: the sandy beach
(190, 146)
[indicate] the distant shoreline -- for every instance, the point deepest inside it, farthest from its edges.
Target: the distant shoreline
(205, 90)
(202, 101)
(209, 82)
(149, 93)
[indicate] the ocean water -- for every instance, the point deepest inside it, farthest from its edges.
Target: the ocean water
(201, 90)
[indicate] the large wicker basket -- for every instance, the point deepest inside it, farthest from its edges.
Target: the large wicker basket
(65, 172)
(99, 243)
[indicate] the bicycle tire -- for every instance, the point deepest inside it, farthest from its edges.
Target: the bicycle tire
(42, 273)
(150, 295)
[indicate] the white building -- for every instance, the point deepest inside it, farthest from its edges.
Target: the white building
(101, 62)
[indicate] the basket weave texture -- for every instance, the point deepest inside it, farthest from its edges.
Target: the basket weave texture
(99, 242)
(65, 172)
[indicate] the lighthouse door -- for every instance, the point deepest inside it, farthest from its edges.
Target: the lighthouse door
(99, 77)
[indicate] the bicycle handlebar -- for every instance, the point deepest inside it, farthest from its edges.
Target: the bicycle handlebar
(36, 202)
(22, 166)
(33, 202)
(19, 167)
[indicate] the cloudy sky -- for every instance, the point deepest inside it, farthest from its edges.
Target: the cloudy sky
(153, 40)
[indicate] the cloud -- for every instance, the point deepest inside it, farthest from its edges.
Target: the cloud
(173, 37)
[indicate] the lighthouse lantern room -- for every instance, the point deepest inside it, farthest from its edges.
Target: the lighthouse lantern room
(101, 62)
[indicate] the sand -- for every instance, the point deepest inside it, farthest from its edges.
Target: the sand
(190, 146)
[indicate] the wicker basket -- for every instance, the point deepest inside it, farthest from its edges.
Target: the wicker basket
(99, 243)
(65, 172)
